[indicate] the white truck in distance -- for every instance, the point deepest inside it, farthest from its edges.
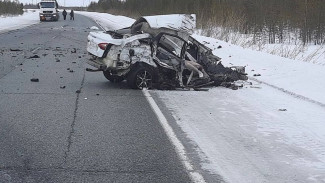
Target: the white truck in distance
(49, 10)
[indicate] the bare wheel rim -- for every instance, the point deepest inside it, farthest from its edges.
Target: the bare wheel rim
(144, 80)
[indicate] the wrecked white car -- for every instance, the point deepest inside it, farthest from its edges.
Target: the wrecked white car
(158, 52)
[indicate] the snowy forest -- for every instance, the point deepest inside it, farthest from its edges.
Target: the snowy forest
(10, 7)
(267, 21)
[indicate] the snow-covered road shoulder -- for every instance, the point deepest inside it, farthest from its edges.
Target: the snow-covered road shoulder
(9, 23)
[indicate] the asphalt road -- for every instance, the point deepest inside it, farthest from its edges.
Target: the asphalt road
(51, 133)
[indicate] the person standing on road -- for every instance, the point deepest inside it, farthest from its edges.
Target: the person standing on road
(71, 15)
(64, 13)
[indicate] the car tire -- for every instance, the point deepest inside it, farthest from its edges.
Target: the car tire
(141, 77)
(113, 78)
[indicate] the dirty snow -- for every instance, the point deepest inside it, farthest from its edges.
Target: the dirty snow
(271, 130)
(8, 23)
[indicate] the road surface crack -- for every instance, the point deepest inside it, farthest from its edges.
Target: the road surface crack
(72, 130)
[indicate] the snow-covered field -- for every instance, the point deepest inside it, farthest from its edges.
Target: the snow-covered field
(272, 130)
(8, 23)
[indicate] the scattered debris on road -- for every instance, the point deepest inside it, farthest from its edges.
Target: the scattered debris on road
(34, 80)
(74, 50)
(34, 56)
(257, 75)
(14, 49)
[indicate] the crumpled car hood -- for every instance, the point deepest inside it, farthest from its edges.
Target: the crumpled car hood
(178, 22)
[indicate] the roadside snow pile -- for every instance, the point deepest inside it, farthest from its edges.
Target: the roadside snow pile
(9, 23)
(300, 79)
(108, 21)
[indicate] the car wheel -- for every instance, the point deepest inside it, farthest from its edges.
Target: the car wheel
(113, 78)
(140, 78)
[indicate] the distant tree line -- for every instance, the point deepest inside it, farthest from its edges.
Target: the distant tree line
(271, 21)
(10, 7)
(30, 6)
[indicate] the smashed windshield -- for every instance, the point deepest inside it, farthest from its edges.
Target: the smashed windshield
(171, 43)
(47, 4)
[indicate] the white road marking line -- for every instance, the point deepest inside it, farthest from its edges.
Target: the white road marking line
(36, 49)
(179, 147)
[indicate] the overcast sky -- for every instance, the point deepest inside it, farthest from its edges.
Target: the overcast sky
(62, 2)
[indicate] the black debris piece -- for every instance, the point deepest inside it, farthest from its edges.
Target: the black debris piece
(219, 47)
(74, 62)
(13, 49)
(34, 80)
(74, 50)
(71, 71)
(62, 87)
(35, 56)
(68, 68)
(78, 91)
(79, 57)
(97, 94)
(282, 110)
(257, 75)
(21, 64)
(57, 60)
(61, 77)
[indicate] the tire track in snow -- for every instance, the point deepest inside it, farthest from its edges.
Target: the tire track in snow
(290, 92)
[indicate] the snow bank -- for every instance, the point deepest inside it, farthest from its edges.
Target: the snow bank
(298, 78)
(8, 23)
